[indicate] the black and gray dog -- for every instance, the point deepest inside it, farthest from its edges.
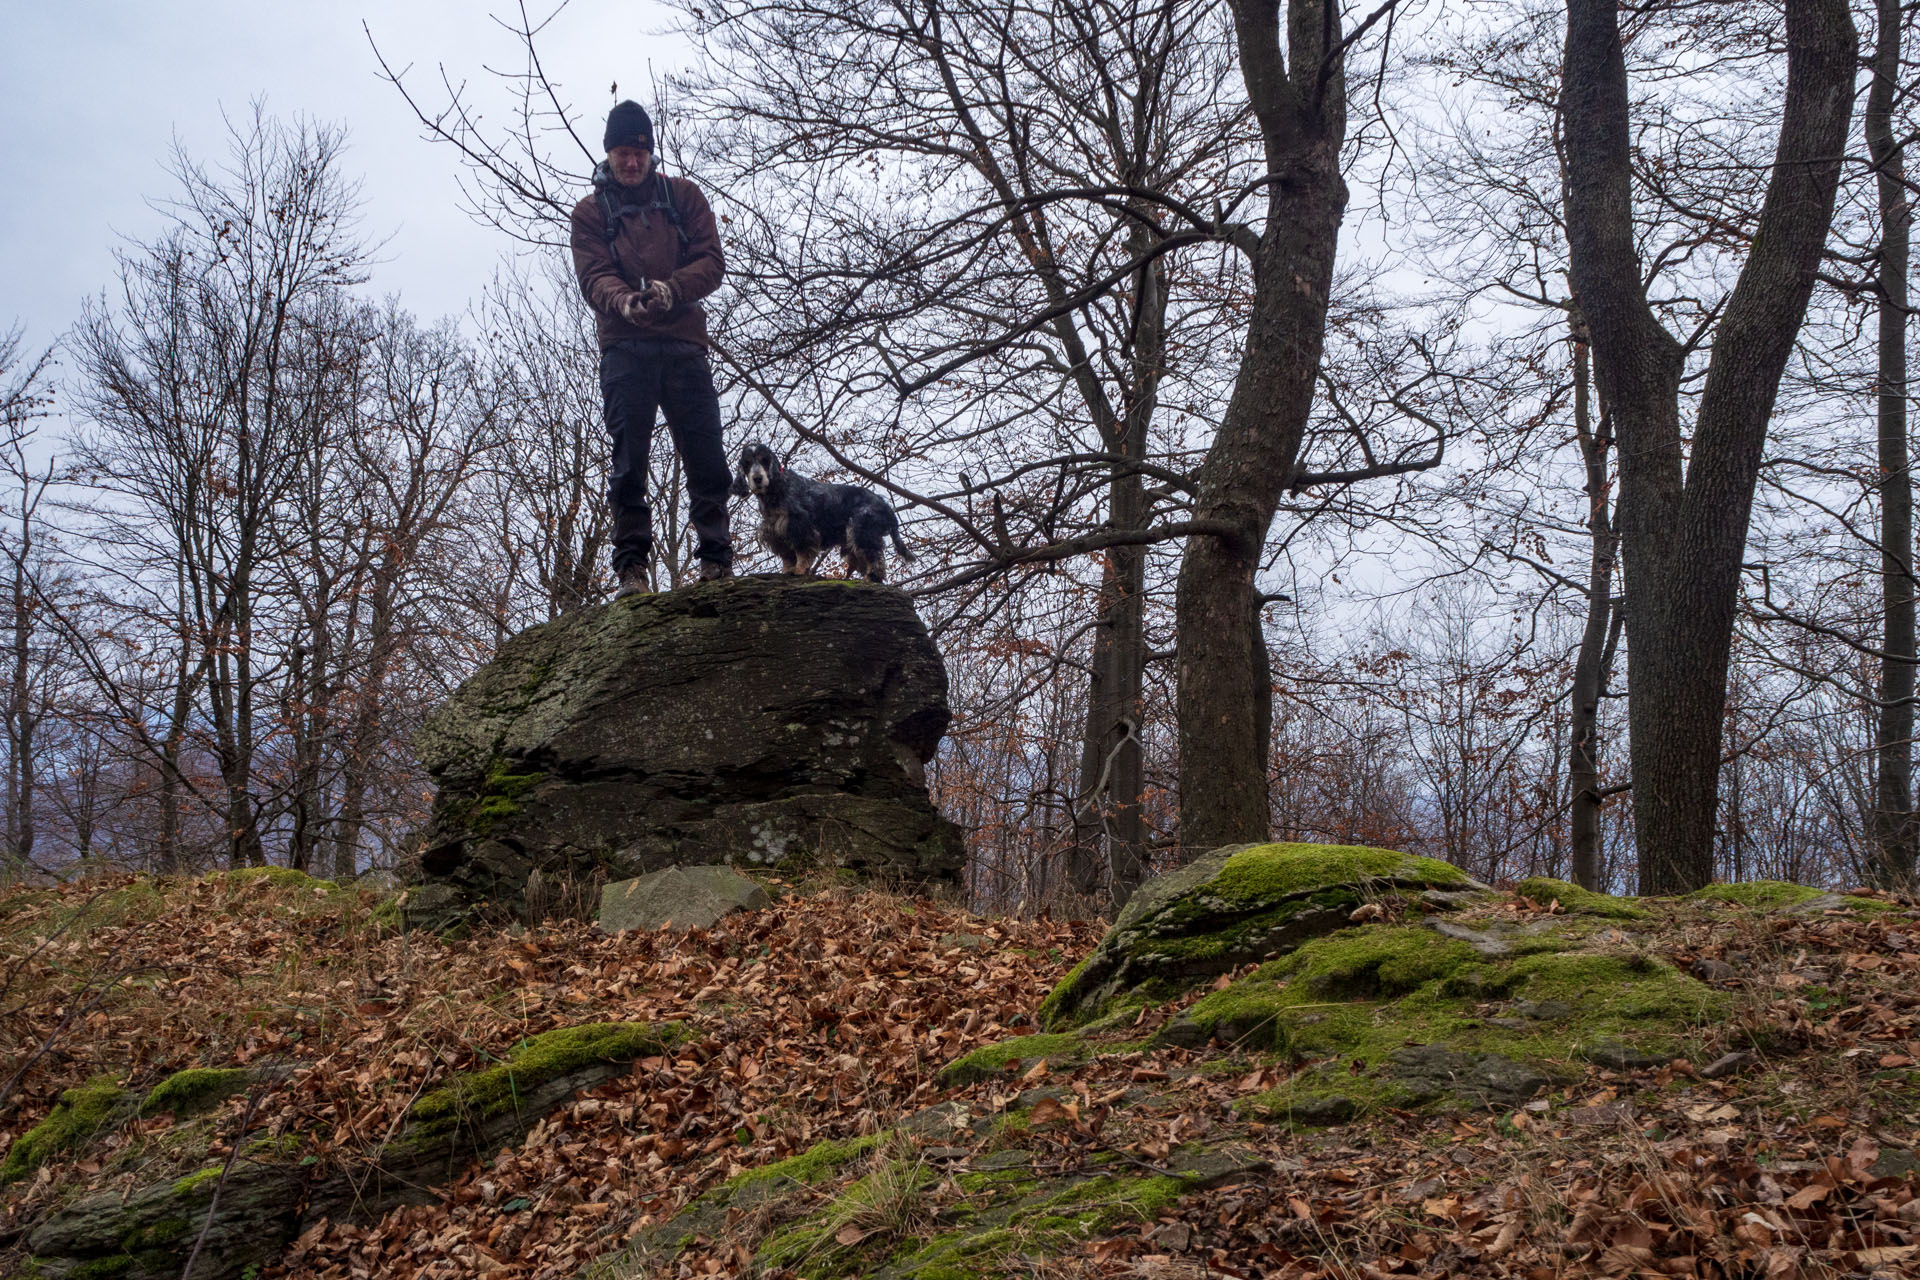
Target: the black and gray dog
(801, 518)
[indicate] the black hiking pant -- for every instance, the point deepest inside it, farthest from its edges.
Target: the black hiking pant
(638, 379)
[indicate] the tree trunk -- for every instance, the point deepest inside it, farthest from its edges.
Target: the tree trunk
(1589, 668)
(1683, 525)
(1108, 816)
(1893, 821)
(1302, 117)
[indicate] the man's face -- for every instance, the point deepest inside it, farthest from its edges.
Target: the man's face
(630, 164)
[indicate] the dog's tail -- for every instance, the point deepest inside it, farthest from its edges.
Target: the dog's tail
(899, 547)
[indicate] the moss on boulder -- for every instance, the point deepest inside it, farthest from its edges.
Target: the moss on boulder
(1229, 907)
(185, 1093)
(1404, 1018)
(470, 1100)
(81, 1112)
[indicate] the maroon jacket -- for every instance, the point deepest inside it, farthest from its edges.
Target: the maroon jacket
(648, 248)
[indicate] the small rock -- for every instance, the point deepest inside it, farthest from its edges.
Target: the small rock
(1728, 1063)
(1607, 1113)
(1424, 1189)
(1485, 943)
(1483, 1079)
(1173, 1236)
(1329, 1110)
(1895, 1162)
(683, 897)
(1616, 1056)
(962, 942)
(1544, 1010)
(1815, 905)
(1708, 969)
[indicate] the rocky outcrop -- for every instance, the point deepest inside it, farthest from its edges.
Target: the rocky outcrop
(1234, 906)
(771, 723)
(1403, 983)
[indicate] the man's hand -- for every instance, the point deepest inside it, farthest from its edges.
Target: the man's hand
(659, 296)
(633, 306)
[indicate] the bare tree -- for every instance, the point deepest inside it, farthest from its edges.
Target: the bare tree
(1683, 523)
(1894, 828)
(202, 387)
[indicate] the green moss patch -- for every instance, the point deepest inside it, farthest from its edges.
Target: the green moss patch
(278, 877)
(473, 1098)
(500, 796)
(990, 1060)
(1389, 1002)
(188, 1092)
(816, 1164)
(1035, 1218)
(80, 1113)
(1578, 901)
(1757, 895)
(1268, 872)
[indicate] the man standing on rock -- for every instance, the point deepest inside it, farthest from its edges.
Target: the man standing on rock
(646, 250)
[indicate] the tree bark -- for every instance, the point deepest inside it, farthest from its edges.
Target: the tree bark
(1589, 668)
(1893, 820)
(1301, 110)
(1109, 818)
(1683, 524)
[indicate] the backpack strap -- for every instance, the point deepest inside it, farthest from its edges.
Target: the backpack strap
(673, 215)
(611, 210)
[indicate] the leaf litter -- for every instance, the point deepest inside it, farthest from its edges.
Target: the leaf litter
(829, 1017)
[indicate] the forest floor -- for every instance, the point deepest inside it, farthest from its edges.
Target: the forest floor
(830, 1017)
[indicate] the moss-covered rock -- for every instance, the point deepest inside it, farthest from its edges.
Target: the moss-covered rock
(81, 1112)
(1577, 901)
(888, 1217)
(1229, 907)
(472, 1099)
(1407, 1018)
(188, 1092)
(475, 1113)
(147, 1234)
(767, 1187)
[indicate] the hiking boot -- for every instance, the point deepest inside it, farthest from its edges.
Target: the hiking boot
(633, 582)
(714, 571)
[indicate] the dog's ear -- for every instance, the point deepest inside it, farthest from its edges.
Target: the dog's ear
(739, 486)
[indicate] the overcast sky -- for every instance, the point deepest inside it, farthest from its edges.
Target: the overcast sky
(92, 94)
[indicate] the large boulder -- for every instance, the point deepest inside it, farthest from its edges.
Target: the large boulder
(771, 723)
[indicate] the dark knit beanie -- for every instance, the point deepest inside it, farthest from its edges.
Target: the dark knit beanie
(629, 126)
